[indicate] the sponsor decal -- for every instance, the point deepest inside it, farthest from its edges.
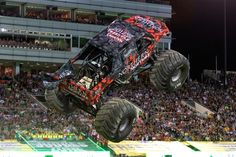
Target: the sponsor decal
(137, 62)
(119, 34)
(146, 23)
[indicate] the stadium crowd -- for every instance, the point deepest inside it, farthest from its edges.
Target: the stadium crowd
(54, 14)
(164, 117)
(169, 119)
(31, 43)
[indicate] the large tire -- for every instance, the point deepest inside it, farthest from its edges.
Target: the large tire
(59, 100)
(170, 71)
(114, 121)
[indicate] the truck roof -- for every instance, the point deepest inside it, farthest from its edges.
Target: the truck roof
(154, 27)
(119, 33)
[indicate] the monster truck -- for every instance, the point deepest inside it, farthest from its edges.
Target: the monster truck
(123, 50)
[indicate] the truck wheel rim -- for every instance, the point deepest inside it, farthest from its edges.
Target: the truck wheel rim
(176, 76)
(123, 124)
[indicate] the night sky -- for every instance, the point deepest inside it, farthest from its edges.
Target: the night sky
(198, 30)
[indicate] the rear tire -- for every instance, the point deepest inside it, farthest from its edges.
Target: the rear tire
(169, 71)
(59, 100)
(114, 121)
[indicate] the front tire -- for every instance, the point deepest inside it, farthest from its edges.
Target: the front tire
(170, 71)
(59, 100)
(114, 121)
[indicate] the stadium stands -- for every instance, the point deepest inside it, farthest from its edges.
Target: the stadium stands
(45, 13)
(164, 117)
(34, 43)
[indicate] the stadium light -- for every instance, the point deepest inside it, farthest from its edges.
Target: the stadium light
(3, 29)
